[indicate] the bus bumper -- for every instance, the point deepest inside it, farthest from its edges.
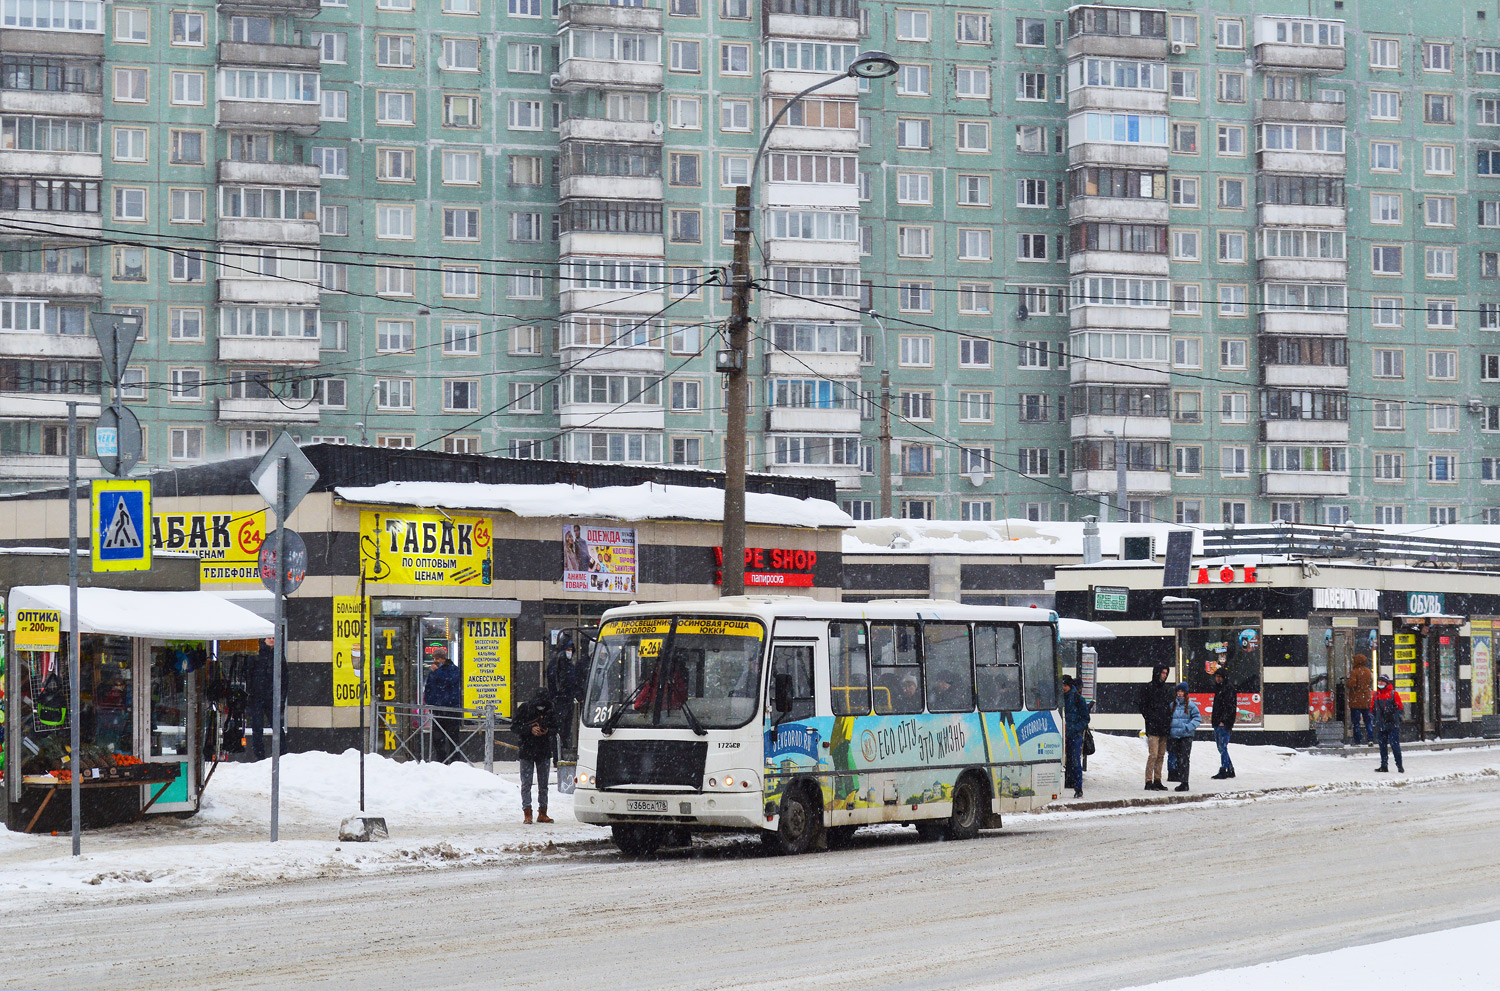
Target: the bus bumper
(708, 810)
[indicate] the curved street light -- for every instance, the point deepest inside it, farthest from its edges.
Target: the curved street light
(731, 361)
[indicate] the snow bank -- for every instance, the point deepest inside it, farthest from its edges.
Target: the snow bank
(1452, 959)
(647, 501)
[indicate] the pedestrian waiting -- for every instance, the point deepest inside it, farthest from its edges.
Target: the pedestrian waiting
(1156, 711)
(535, 726)
(1359, 696)
(1076, 723)
(1185, 719)
(1226, 710)
(1388, 709)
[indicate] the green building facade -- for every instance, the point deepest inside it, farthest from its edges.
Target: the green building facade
(1244, 248)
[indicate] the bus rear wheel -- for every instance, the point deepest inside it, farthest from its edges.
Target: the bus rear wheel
(963, 822)
(638, 839)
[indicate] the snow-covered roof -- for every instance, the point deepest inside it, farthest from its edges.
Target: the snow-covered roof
(157, 615)
(647, 501)
(1081, 629)
(1003, 537)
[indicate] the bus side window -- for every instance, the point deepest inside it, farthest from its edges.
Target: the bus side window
(795, 660)
(849, 669)
(1039, 658)
(895, 671)
(997, 668)
(945, 659)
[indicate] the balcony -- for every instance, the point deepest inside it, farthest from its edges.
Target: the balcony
(821, 28)
(268, 411)
(48, 284)
(612, 300)
(1302, 111)
(1304, 483)
(274, 292)
(1129, 209)
(1303, 162)
(1114, 98)
(305, 232)
(81, 43)
(269, 350)
(65, 224)
(810, 194)
(1154, 483)
(609, 416)
(607, 243)
(774, 307)
(299, 118)
(632, 132)
(64, 165)
(800, 251)
(1298, 269)
(1130, 427)
(46, 406)
(1119, 262)
(823, 366)
(1305, 376)
(17, 101)
(1092, 317)
(269, 56)
(1117, 46)
(1287, 215)
(21, 467)
(577, 358)
(818, 421)
(1295, 322)
(1305, 431)
(842, 476)
(1316, 59)
(1103, 153)
(603, 15)
(790, 82)
(600, 74)
(285, 8)
(48, 346)
(610, 187)
(823, 139)
(1082, 371)
(269, 174)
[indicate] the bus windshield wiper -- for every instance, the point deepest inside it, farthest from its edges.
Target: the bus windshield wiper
(619, 713)
(692, 720)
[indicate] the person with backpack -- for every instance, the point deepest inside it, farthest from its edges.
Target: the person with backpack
(1156, 711)
(535, 726)
(1226, 710)
(1185, 719)
(1387, 711)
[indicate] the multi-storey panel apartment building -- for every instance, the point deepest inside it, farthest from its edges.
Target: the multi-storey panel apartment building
(1246, 249)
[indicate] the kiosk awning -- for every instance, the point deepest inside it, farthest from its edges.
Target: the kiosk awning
(1082, 629)
(153, 615)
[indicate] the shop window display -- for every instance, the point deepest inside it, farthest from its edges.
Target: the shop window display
(1231, 641)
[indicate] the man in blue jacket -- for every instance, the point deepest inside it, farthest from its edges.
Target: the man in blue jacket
(1076, 722)
(444, 693)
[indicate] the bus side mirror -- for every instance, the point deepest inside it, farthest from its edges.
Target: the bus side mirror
(782, 692)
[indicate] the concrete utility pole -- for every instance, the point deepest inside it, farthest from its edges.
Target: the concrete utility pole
(738, 397)
(885, 444)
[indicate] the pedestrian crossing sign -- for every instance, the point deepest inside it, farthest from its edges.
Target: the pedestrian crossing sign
(120, 525)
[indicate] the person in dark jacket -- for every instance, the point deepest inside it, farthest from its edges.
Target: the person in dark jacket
(1358, 696)
(1156, 710)
(1185, 719)
(535, 726)
(444, 690)
(259, 689)
(1075, 722)
(1226, 710)
(1387, 709)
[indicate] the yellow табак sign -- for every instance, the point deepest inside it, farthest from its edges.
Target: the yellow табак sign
(348, 642)
(38, 629)
(486, 656)
(227, 544)
(419, 548)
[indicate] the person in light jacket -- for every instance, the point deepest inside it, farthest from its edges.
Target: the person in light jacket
(1185, 719)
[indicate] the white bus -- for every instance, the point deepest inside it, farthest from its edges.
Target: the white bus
(804, 720)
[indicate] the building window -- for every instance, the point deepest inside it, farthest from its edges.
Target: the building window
(1184, 191)
(1230, 32)
(1437, 56)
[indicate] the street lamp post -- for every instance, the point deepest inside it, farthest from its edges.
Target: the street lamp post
(731, 360)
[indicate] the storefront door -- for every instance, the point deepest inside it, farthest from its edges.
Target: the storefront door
(167, 723)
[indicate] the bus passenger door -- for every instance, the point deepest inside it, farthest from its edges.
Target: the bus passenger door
(796, 740)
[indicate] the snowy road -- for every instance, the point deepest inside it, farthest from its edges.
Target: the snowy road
(1073, 900)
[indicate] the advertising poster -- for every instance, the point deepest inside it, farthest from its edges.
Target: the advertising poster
(418, 548)
(348, 650)
(227, 544)
(38, 629)
(1482, 663)
(487, 665)
(598, 559)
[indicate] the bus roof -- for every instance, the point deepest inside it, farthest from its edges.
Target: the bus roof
(773, 607)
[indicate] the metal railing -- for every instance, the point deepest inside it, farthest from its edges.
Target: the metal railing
(1353, 543)
(403, 731)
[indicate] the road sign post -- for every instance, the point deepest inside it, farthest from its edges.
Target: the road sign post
(282, 477)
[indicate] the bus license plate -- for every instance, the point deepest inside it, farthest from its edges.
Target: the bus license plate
(646, 805)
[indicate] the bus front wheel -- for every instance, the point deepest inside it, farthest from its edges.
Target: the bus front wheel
(801, 822)
(636, 839)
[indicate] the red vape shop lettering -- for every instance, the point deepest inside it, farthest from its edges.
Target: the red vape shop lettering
(767, 567)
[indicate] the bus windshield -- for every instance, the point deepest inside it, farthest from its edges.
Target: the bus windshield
(651, 670)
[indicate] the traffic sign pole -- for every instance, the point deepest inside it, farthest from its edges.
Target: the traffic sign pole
(75, 700)
(279, 654)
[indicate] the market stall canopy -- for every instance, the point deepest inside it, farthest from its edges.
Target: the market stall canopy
(1082, 629)
(648, 501)
(153, 615)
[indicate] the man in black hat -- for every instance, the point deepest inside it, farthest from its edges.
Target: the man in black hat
(1076, 723)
